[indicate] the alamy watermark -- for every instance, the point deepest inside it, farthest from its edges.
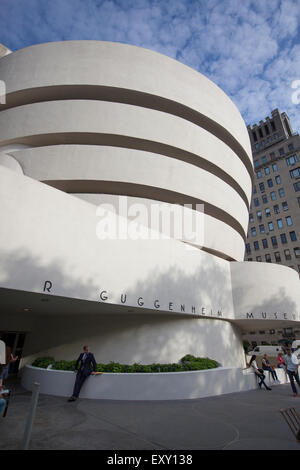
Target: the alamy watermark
(155, 222)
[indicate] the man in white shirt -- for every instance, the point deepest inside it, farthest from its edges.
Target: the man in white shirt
(292, 363)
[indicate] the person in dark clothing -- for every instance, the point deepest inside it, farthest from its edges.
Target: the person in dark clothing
(2, 404)
(266, 365)
(4, 368)
(84, 365)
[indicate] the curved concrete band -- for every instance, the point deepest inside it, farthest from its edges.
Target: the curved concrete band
(215, 232)
(10, 162)
(123, 73)
(125, 171)
(127, 126)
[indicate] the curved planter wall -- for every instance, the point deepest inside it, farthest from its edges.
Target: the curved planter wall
(145, 386)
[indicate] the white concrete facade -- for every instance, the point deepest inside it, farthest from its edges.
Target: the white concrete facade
(91, 122)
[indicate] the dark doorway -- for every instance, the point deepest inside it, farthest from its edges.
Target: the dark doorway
(15, 340)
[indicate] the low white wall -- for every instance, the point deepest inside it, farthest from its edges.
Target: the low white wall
(145, 386)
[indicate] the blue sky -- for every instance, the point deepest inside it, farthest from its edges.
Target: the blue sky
(251, 49)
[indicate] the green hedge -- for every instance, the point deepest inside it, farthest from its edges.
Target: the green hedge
(188, 362)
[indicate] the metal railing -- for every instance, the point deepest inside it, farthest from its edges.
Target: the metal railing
(31, 416)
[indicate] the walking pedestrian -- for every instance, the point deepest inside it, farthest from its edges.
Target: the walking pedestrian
(292, 363)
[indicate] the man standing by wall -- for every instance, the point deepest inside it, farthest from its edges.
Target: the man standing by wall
(84, 365)
(291, 362)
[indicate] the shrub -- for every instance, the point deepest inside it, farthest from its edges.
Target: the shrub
(43, 362)
(140, 368)
(64, 365)
(190, 362)
(112, 367)
(187, 363)
(187, 358)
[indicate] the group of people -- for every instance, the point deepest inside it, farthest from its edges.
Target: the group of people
(288, 362)
(86, 365)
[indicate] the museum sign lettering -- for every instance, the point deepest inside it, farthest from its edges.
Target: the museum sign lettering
(171, 306)
(270, 316)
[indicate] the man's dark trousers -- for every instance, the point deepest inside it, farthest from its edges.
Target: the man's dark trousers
(293, 375)
(80, 378)
(84, 370)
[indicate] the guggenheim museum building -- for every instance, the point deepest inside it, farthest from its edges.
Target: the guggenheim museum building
(95, 138)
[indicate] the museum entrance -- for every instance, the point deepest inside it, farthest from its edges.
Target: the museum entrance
(15, 341)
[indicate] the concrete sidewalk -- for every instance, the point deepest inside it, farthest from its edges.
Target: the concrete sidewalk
(246, 420)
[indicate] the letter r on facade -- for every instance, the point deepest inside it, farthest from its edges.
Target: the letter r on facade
(47, 286)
